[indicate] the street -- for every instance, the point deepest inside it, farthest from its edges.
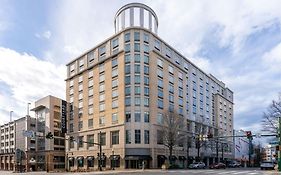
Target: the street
(235, 171)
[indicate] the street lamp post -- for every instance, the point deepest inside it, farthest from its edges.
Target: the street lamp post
(113, 160)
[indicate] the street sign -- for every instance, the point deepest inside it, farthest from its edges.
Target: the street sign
(30, 134)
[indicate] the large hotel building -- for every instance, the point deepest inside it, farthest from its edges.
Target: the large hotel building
(119, 91)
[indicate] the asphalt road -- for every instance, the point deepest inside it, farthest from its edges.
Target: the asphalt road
(233, 171)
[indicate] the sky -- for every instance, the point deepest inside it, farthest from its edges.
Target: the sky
(237, 41)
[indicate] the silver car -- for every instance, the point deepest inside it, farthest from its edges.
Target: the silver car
(197, 165)
(267, 165)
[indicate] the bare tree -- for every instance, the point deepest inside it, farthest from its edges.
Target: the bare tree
(270, 117)
(172, 131)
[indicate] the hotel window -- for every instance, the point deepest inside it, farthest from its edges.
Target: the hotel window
(115, 103)
(137, 79)
(114, 83)
(115, 137)
(137, 116)
(146, 38)
(102, 87)
(128, 101)
(80, 88)
(101, 67)
(160, 93)
(146, 80)
(146, 91)
(146, 101)
(127, 47)
(102, 120)
(128, 137)
(160, 83)
(136, 47)
(80, 105)
(91, 83)
(171, 70)
(146, 136)
(160, 103)
(171, 88)
(137, 90)
(115, 43)
(146, 48)
(90, 56)
(80, 79)
(127, 90)
(90, 140)
(171, 107)
(160, 73)
(127, 37)
(90, 123)
(180, 83)
(180, 92)
(194, 109)
(91, 110)
(114, 72)
(185, 65)
(137, 68)
(71, 99)
(157, 45)
(137, 36)
(159, 63)
(160, 137)
(127, 69)
(168, 52)
(90, 74)
(146, 59)
(127, 80)
(71, 82)
(114, 118)
(127, 58)
(171, 98)
(72, 67)
(137, 136)
(80, 141)
(81, 65)
(137, 58)
(180, 101)
(114, 62)
(128, 116)
(180, 75)
(171, 79)
(137, 101)
(71, 91)
(102, 77)
(146, 117)
(146, 70)
(102, 138)
(102, 97)
(80, 125)
(114, 93)
(102, 50)
(80, 97)
(102, 107)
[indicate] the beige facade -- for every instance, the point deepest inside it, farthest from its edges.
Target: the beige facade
(123, 86)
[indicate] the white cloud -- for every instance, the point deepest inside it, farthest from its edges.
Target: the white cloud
(45, 35)
(26, 79)
(272, 59)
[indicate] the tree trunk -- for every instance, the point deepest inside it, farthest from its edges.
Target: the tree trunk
(170, 154)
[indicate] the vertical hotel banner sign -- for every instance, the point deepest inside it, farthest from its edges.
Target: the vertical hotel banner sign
(63, 116)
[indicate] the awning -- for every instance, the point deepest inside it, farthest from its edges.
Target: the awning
(173, 158)
(38, 108)
(90, 158)
(80, 158)
(138, 157)
(114, 157)
(182, 158)
(161, 157)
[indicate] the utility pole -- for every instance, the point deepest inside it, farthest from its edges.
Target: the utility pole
(279, 135)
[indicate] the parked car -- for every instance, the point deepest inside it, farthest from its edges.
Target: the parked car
(267, 165)
(197, 165)
(234, 164)
(217, 166)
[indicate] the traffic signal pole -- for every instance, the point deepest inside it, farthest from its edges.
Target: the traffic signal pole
(279, 135)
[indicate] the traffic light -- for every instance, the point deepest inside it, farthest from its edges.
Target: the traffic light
(249, 134)
(49, 135)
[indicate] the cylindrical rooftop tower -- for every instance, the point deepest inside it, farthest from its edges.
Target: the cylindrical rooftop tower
(136, 14)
